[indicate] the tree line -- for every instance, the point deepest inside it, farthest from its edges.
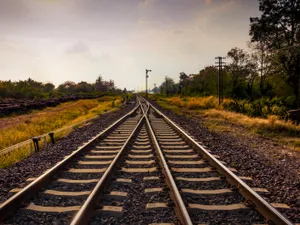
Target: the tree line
(30, 89)
(270, 69)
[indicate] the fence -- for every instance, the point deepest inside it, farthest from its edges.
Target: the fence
(33, 142)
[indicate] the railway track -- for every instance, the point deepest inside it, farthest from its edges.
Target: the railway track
(144, 169)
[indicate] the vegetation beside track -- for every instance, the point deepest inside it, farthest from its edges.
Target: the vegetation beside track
(15, 129)
(218, 119)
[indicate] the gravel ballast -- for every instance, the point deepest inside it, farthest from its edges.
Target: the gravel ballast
(134, 206)
(33, 166)
(270, 165)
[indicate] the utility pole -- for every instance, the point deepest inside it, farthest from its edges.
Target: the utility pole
(154, 88)
(147, 81)
(220, 78)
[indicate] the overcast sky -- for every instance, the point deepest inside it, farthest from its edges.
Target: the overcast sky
(60, 40)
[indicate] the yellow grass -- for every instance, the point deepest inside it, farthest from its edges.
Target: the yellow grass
(196, 102)
(49, 119)
(219, 119)
(15, 156)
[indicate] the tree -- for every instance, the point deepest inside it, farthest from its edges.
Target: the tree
(262, 57)
(183, 81)
(238, 69)
(48, 87)
(279, 28)
(251, 70)
(67, 87)
(84, 87)
(99, 84)
(168, 87)
(209, 80)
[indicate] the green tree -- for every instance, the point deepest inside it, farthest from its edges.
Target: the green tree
(279, 28)
(168, 87)
(263, 58)
(238, 70)
(48, 87)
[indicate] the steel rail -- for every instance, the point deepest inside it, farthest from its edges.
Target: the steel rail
(13, 203)
(89, 206)
(180, 208)
(261, 205)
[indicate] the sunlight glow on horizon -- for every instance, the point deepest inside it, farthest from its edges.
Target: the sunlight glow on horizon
(60, 40)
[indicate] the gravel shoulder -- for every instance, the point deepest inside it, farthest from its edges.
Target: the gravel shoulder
(33, 166)
(271, 165)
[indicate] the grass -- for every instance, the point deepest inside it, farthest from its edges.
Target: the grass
(49, 119)
(194, 103)
(220, 120)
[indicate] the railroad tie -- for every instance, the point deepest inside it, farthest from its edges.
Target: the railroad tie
(179, 151)
(141, 151)
(67, 193)
(73, 170)
(107, 210)
(198, 162)
(105, 151)
(123, 180)
(192, 170)
(218, 207)
(100, 156)
(51, 209)
(117, 195)
(156, 205)
(151, 190)
(94, 162)
(206, 192)
(70, 181)
(205, 179)
(140, 162)
(151, 178)
(140, 156)
(139, 170)
(181, 156)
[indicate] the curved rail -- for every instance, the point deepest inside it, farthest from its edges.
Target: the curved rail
(13, 203)
(261, 205)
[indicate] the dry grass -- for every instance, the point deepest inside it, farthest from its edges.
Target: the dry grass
(52, 118)
(15, 156)
(194, 103)
(49, 119)
(220, 120)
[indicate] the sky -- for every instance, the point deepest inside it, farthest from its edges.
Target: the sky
(78, 40)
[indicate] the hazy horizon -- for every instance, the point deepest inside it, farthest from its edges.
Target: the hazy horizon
(59, 40)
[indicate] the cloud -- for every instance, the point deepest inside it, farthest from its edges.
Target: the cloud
(208, 2)
(147, 4)
(215, 16)
(78, 48)
(7, 47)
(178, 32)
